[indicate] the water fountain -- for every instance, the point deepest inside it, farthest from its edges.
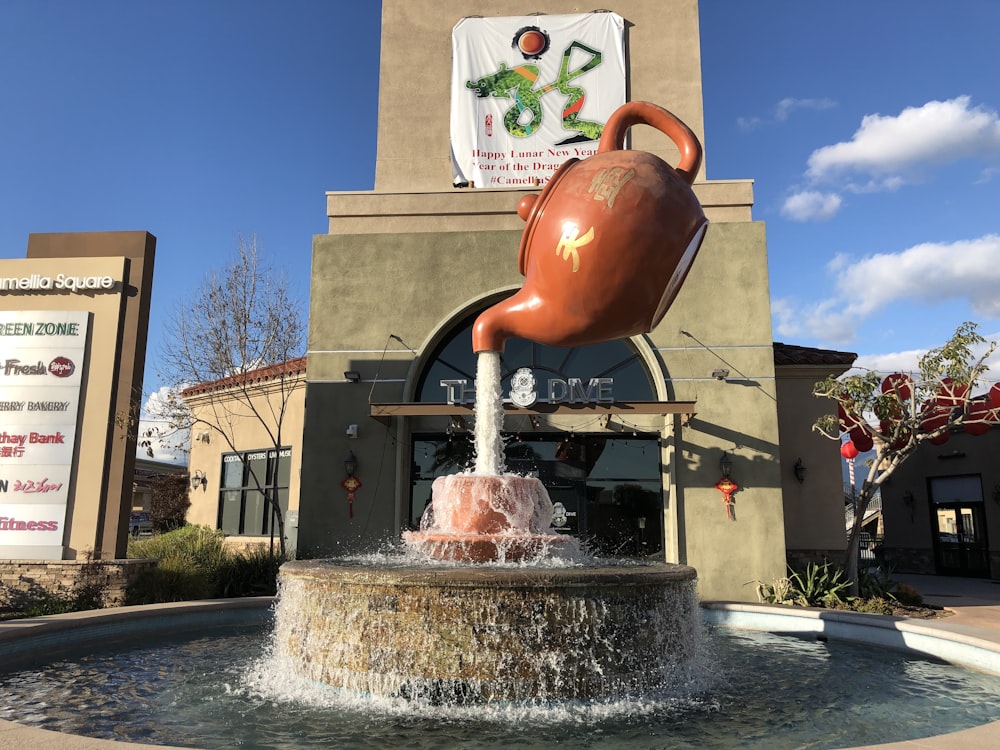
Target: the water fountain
(604, 251)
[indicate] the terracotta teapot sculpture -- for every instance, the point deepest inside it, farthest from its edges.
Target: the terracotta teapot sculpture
(607, 244)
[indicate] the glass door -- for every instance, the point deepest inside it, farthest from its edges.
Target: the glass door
(961, 547)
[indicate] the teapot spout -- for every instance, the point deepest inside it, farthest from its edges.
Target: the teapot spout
(495, 325)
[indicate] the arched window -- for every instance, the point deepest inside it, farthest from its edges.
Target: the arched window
(453, 359)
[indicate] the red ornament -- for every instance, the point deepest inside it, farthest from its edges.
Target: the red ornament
(351, 484)
(862, 439)
(899, 384)
(728, 487)
(849, 451)
(978, 418)
(994, 396)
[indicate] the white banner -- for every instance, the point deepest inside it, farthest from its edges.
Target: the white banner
(530, 92)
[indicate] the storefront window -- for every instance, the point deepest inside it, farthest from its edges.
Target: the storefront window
(248, 481)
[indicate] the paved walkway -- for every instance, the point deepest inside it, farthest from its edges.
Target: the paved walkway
(975, 602)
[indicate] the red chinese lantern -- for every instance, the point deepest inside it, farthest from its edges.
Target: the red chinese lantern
(994, 396)
(978, 418)
(899, 384)
(951, 394)
(862, 439)
(848, 450)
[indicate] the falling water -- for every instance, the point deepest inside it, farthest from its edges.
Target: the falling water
(489, 415)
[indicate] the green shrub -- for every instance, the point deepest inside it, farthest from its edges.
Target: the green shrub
(196, 564)
(170, 581)
(819, 585)
(876, 605)
(906, 594)
(816, 586)
(253, 572)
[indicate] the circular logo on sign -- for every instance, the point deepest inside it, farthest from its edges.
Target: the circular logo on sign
(522, 388)
(62, 367)
(531, 42)
(559, 517)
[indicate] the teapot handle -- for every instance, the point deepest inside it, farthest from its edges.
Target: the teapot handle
(646, 113)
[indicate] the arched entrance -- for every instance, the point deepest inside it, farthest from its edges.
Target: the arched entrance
(602, 469)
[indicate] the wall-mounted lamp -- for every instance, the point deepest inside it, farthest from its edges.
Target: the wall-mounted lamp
(353, 376)
(720, 374)
(198, 479)
(800, 470)
(908, 499)
(350, 463)
(725, 464)
(996, 494)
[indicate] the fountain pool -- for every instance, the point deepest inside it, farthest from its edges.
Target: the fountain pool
(200, 675)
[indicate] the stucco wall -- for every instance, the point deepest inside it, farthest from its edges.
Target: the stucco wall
(814, 508)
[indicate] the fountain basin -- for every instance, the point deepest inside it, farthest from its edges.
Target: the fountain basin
(83, 632)
(465, 635)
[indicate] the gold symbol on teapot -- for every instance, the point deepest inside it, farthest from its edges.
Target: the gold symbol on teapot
(569, 243)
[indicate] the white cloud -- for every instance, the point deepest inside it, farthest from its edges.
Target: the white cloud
(929, 274)
(888, 151)
(788, 105)
(811, 205)
(783, 109)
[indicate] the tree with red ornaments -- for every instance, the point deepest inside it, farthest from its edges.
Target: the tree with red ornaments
(893, 415)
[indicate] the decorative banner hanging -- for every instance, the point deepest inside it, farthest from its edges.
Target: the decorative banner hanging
(351, 484)
(728, 488)
(530, 92)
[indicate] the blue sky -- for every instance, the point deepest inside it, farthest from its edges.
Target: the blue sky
(871, 130)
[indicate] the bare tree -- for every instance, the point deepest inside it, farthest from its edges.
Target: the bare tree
(229, 349)
(895, 415)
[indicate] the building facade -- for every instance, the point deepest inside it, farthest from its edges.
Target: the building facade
(406, 268)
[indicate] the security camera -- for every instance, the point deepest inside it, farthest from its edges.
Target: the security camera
(352, 430)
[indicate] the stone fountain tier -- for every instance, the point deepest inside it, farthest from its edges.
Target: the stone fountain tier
(488, 634)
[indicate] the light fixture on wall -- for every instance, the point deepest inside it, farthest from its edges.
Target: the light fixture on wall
(353, 376)
(725, 464)
(996, 494)
(198, 479)
(720, 374)
(350, 463)
(800, 470)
